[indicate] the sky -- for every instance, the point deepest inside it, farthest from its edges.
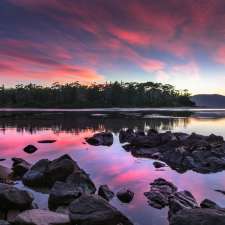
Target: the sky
(181, 42)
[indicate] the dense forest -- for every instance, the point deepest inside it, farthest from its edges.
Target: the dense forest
(76, 95)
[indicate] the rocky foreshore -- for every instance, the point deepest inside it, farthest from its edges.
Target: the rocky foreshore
(72, 196)
(180, 151)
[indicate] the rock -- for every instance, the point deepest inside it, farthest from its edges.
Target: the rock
(105, 192)
(3, 222)
(181, 136)
(36, 175)
(94, 210)
(45, 173)
(181, 200)
(62, 194)
(46, 141)
(1, 159)
(152, 140)
(152, 131)
(125, 196)
(126, 135)
(103, 138)
(207, 203)
(220, 191)
(158, 164)
(14, 198)
(167, 137)
(11, 215)
(20, 167)
(30, 149)
(160, 192)
(212, 138)
(199, 216)
(41, 217)
(5, 173)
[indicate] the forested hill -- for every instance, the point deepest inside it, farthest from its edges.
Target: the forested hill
(76, 95)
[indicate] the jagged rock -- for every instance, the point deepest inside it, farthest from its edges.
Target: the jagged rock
(160, 192)
(105, 192)
(41, 217)
(14, 198)
(103, 138)
(199, 216)
(181, 200)
(20, 167)
(207, 203)
(30, 149)
(94, 210)
(158, 164)
(125, 196)
(46, 141)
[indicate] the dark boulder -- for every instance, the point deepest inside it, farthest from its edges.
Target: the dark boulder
(103, 138)
(125, 196)
(20, 167)
(14, 198)
(207, 203)
(159, 193)
(30, 149)
(105, 192)
(94, 210)
(199, 216)
(5, 174)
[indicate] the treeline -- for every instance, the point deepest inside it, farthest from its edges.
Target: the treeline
(76, 95)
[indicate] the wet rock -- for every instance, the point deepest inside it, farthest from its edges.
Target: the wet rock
(125, 196)
(94, 210)
(207, 203)
(103, 138)
(158, 164)
(4, 222)
(159, 193)
(181, 200)
(35, 176)
(182, 152)
(20, 167)
(45, 173)
(30, 149)
(5, 173)
(199, 216)
(14, 198)
(11, 215)
(41, 217)
(151, 132)
(1, 159)
(46, 141)
(105, 192)
(62, 194)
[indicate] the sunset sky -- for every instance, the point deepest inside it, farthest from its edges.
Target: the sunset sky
(181, 42)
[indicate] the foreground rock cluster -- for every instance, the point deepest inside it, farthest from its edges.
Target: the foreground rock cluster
(72, 198)
(181, 151)
(183, 207)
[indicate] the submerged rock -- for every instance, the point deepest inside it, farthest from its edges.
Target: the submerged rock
(46, 141)
(94, 210)
(103, 138)
(199, 216)
(14, 198)
(105, 192)
(125, 196)
(159, 193)
(157, 164)
(30, 149)
(4, 222)
(41, 217)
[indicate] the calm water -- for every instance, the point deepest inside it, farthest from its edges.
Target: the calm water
(113, 165)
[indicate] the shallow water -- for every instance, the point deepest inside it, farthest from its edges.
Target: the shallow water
(113, 165)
